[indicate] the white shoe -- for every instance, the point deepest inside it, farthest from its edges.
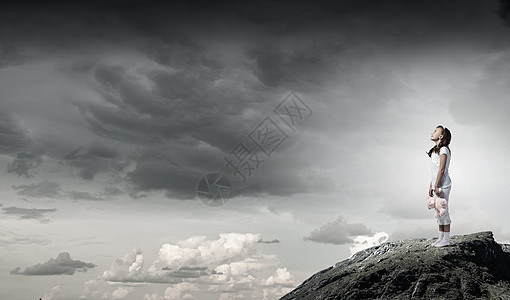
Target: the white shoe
(436, 242)
(440, 238)
(443, 242)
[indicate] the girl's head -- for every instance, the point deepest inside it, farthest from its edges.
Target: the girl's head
(442, 137)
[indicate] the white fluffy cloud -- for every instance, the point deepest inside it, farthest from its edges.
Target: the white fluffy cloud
(96, 289)
(230, 265)
(127, 268)
(180, 291)
(121, 292)
(279, 283)
(280, 277)
(363, 241)
(54, 292)
(197, 251)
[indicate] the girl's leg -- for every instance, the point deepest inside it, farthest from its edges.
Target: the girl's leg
(441, 235)
(445, 228)
(446, 237)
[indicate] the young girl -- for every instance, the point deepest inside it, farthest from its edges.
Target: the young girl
(441, 183)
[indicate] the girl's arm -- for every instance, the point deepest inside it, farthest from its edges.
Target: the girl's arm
(442, 165)
(430, 189)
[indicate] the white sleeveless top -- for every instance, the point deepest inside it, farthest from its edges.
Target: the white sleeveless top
(445, 181)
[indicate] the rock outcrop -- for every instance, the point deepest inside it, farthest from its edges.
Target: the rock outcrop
(474, 266)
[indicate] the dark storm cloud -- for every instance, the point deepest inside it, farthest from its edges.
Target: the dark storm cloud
(269, 68)
(196, 102)
(183, 109)
(180, 21)
(504, 11)
(28, 213)
(9, 55)
(13, 137)
(56, 25)
(306, 68)
(93, 159)
(24, 163)
(185, 105)
(160, 171)
(62, 265)
(338, 232)
(45, 188)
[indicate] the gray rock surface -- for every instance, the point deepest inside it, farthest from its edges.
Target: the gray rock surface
(474, 266)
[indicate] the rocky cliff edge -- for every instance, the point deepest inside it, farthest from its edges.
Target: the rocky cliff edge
(474, 266)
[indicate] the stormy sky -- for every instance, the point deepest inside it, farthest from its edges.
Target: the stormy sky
(305, 122)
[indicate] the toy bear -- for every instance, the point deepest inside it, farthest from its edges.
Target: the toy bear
(439, 204)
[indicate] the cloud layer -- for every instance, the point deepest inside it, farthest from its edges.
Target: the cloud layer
(62, 265)
(23, 164)
(49, 189)
(230, 264)
(338, 232)
(29, 213)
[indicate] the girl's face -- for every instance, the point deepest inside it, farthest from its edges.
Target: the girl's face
(437, 134)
